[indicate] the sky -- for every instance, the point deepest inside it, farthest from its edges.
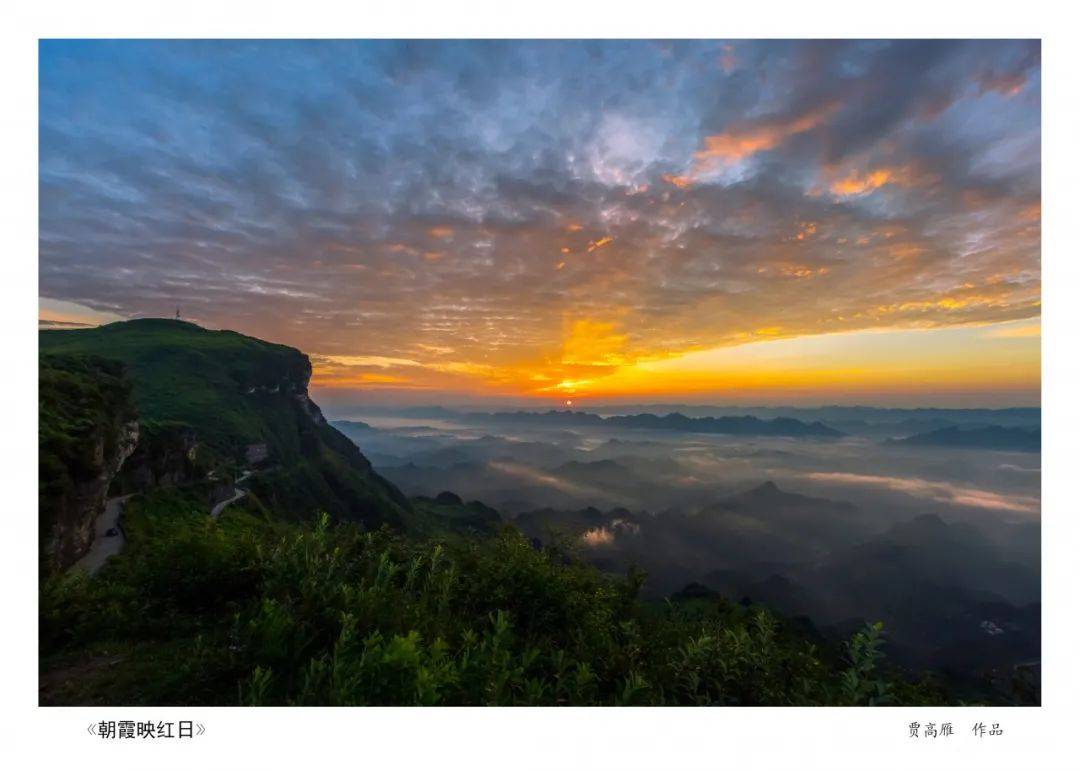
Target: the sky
(554, 222)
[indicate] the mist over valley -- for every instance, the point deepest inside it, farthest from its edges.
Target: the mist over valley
(870, 521)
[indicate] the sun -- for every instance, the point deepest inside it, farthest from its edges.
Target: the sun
(569, 402)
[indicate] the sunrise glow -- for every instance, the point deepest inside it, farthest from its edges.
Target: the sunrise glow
(707, 226)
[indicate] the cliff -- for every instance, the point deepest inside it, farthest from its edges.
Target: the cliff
(221, 400)
(87, 428)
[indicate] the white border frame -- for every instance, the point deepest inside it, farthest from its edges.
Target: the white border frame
(568, 737)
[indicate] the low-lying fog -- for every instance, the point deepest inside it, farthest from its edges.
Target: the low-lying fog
(942, 543)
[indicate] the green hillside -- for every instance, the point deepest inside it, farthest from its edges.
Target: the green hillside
(245, 610)
(201, 377)
(241, 395)
(325, 586)
(84, 407)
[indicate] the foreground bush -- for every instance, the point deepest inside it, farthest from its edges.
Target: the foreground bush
(330, 615)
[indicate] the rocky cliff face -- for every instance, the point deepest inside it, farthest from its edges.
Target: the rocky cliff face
(246, 404)
(73, 530)
(87, 429)
(166, 455)
(309, 466)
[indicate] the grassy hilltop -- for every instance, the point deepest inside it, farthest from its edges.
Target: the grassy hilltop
(200, 377)
(237, 392)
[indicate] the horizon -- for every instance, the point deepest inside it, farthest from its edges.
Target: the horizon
(357, 408)
(608, 407)
(740, 222)
(383, 399)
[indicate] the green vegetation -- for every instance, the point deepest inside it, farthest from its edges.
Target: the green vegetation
(83, 404)
(82, 400)
(380, 600)
(248, 610)
(446, 514)
(198, 377)
(234, 392)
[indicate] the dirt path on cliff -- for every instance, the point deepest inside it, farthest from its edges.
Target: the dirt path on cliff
(104, 545)
(238, 493)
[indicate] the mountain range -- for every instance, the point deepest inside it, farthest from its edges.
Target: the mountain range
(743, 425)
(977, 437)
(320, 558)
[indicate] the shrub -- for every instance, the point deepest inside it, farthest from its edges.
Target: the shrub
(332, 615)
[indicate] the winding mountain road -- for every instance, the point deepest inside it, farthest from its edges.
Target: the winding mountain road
(238, 493)
(104, 545)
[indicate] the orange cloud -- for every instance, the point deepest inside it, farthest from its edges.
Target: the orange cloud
(382, 362)
(805, 229)
(1010, 333)
(600, 243)
(678, 181)
(732, 146)
(963, 298)
(746, 140)
(1004, 83)
(857, 183)
(328, 378)
(593, 343)
(1031, 213)
(802, 271)
(441, 231)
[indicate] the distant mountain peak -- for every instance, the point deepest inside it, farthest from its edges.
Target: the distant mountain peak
(767, 488)
(989, 437)
(736, 425)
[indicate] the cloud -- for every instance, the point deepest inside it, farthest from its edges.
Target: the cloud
(747, 140)
(1013, 331)
(57, 324)
(597, 536)
(381, 362)
(857, 183)
(444, 212)
(946, 492)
